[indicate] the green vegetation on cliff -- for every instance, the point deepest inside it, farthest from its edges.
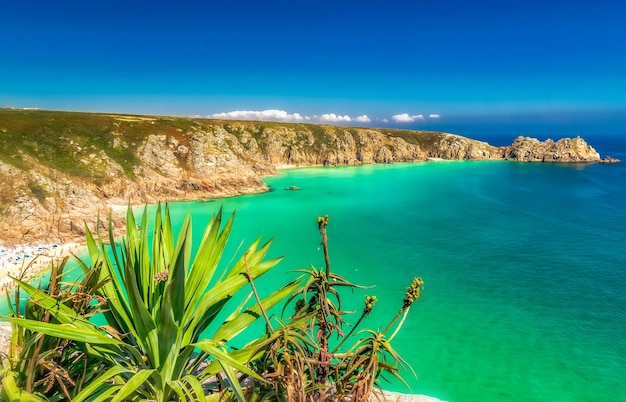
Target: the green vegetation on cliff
(65, 140)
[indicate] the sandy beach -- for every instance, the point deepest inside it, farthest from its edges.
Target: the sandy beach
(31, 259)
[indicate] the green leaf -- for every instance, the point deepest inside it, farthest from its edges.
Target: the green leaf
(226, 358)
(221, 292)
(188, 388)
(101, 381)
(131, 386)
(195, 385)
(12, 393)
(65, 331)
(233, 327)
(168, 334)
(60, 311)
(205, 262)
(143, 321)
(179, 270)
(234, 382)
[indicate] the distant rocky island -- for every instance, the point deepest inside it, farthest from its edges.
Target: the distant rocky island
(60, 170)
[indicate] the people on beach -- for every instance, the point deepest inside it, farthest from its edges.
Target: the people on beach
(16, 259)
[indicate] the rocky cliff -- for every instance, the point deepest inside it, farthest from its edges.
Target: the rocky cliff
(526, 149)
(61, 170)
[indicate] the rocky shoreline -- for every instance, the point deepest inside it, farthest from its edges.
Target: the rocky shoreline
(62, 171)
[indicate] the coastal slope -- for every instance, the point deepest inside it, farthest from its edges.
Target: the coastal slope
(61, 170)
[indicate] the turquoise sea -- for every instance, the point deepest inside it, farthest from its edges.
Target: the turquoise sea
(524, 266)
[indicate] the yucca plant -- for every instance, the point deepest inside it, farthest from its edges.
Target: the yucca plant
(159, 301)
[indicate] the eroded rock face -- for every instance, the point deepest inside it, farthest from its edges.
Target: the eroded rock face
(461, 148)
(211, 159)
(527, 149)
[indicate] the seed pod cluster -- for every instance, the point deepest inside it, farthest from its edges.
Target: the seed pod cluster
(413, 293)
(162, 276)
(369, 304)
(322, 221)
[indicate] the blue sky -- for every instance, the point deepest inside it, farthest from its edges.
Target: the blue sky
(556, 61)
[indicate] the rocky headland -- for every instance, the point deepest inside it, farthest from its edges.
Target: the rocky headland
(61, 170)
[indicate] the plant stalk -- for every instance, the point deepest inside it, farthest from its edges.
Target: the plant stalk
(256, 295)
(343, 340)
(322, 223)
(406, 311)
(394, 319)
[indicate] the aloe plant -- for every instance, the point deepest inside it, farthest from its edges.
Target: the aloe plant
(358, 370)
(298, 359)
(159, 301)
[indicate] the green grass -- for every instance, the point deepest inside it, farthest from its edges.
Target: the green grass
(37, 190)
(70, 142)
(425, 139)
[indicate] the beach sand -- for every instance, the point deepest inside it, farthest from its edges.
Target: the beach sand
(32, 258)
(388, 396)
(27, 260)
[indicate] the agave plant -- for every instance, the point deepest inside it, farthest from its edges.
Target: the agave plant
(159, 303)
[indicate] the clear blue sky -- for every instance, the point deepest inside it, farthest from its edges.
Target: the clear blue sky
(555, 60)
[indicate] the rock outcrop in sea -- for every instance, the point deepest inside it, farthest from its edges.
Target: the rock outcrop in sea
(61, 170)
(525, 149)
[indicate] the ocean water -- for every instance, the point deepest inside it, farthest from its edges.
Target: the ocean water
(524, 266)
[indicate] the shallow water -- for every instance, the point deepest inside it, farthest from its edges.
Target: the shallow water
(524, 267)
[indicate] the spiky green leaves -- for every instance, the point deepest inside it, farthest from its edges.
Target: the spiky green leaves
(159, 302)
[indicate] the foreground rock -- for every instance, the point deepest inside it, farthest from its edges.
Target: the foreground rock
(61, 171)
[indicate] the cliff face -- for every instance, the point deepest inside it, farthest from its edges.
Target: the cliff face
(60, 170)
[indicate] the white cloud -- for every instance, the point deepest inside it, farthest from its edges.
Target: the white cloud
(270, 114)
(333, 118)
(434, 116)
(406, 118)
(385, 120)
(284, 116)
